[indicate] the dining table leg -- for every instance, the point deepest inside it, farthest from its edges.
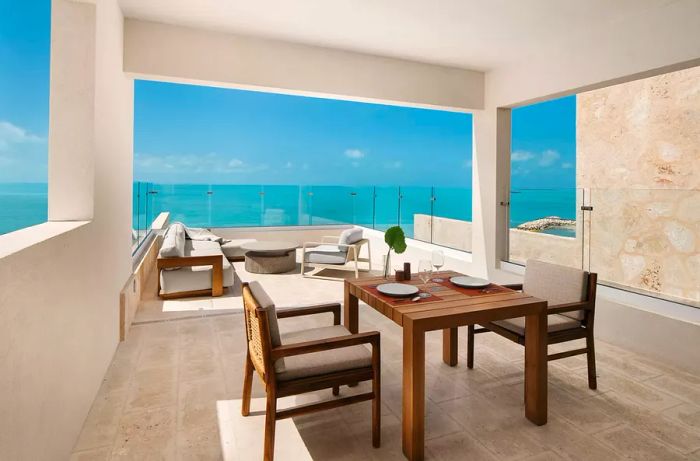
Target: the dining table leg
(536, 367)
(413, 407)
(350, 314)
(450, 346)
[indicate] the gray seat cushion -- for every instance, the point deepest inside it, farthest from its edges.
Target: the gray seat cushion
(232, 249)
(555, 322)
(556, 284)
(325, 254)
(320, 363)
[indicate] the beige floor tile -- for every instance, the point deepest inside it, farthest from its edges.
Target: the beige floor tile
(101, 424)
(683, 386)
(95, 454)
(152, 394)
(146, 435)
(635, 445)
(457, 447)
(685, 413)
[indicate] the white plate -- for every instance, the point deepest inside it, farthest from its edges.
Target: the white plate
(397, 290)
(469, 282)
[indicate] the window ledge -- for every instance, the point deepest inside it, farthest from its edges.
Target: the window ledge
(18, 240)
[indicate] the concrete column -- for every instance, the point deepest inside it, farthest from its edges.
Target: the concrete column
(71, 114)
(490, 182)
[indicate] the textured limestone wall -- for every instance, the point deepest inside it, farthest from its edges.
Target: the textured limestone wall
(638, 154)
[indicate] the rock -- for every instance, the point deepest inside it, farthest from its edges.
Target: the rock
(547, 223)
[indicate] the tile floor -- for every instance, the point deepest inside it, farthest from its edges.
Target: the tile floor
(158, 398)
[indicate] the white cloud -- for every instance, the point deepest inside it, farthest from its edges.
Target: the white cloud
(549, 157)
(13, 134)
(354, 153)
(567, 165)
(194, 163)
(521, 156)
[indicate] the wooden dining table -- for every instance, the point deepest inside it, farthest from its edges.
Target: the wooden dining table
(448, 308)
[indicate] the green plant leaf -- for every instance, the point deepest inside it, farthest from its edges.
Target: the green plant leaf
(395, 238)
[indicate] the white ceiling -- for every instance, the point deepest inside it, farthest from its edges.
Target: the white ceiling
(472, 34)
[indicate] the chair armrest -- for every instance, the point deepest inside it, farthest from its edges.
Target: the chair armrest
(339, 245)
(308, 347)
(514, 286)
(296, 311)
(569, 307)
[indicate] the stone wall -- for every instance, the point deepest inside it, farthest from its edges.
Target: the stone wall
(638, 158)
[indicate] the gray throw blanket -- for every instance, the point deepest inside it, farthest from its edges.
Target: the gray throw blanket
(199, 233)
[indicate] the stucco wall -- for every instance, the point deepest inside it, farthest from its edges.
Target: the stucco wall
(638, 154)
(59, 302)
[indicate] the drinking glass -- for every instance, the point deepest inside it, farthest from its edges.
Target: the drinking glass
(438, 259)
(425, 272)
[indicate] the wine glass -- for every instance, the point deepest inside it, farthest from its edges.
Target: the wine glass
(438, 259)
(425, 272)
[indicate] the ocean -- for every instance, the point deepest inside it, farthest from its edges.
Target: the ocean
(380, 207)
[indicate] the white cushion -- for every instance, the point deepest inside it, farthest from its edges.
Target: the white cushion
(194, 278)
(555, 322)
(350, 236)
(173, 242)
(325, 254)
(323, 362)
(556, 284)
(232, 249)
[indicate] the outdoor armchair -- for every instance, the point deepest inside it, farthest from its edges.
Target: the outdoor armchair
(337, 252)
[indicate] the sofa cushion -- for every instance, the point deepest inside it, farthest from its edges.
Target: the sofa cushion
(325, 254)
(555, 322)
(232, 249)
(318, 363)
(202, 248)
(194, 278)
(350, 236)
(266, 302)
(556, 284)
(173, 242)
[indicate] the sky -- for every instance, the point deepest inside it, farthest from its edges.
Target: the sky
(191, 134)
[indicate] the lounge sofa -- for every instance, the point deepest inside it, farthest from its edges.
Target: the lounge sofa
(191, 267)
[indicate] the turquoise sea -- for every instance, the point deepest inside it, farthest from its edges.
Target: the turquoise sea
(380, 207)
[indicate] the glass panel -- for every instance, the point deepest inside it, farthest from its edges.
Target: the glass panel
(235, 205)
(187, 203)
(646, 240)
(451, 221)
(416, 202)
(330, 205)
(386, 207)
(280, 205)
(546, 224)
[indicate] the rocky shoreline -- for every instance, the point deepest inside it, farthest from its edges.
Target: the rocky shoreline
(549, 222)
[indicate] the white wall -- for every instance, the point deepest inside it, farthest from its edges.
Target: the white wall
(177, 53)
(59, 302)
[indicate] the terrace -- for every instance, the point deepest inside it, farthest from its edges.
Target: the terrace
(97, 364)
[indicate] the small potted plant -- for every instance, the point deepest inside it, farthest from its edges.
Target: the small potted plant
(395, 238)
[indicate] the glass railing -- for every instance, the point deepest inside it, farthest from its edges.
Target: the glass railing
(416, 209)
(548, 225)
(647, 241)
(143, 213)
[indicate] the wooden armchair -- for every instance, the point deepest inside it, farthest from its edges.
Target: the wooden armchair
(331, 254)
(305, 361)
(571, 296)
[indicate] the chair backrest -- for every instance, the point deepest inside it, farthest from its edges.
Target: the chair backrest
(259, 332)
(558, 284)
(350, 236)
